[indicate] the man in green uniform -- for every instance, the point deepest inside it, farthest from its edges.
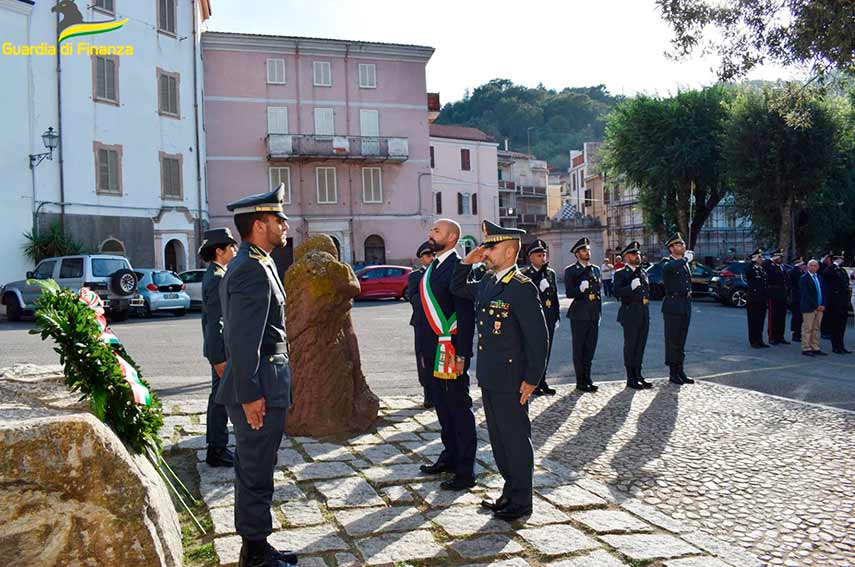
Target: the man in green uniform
(677, 306)
(539, 272)
(512, 348)
(582, 284)
(632, 289)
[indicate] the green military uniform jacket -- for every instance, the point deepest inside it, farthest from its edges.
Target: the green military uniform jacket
(587, 305)
(677, 281)
(633, 302)
(213, 347)
(548, 293)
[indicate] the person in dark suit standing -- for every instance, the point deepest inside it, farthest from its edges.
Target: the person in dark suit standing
(425, 255)
(758, 299)
(582, 284)
(839, 295)
(546, 281)
(445, 334)
(677, 306)
(512, 349)
(777, 282)
(256, 385)
(794, 277)
(218, 248)
(632, 289)
(812, 300)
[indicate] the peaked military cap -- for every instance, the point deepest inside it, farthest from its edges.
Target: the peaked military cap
(676, 239)
(493, 234)
(798, 261)
(633, 247)
(777, 252)
(758, 252)
(537, 246)
(580, 244)
(424, 248)
(217, 237)
(835, 256)
(263, 203)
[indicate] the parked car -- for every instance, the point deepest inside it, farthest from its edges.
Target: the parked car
(111, 277)
(383, 281)
(193, 280)
(162, 291)
(701, 276)
(729, 285)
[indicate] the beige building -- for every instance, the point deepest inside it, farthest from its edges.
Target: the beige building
(523, 183)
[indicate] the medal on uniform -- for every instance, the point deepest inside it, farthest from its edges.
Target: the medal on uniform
(591, 297)
(548, 303)
(497, 327)
(645, 301)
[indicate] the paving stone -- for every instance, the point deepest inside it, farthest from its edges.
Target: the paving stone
(209, 474)
(312, 562)
(360, 464)
(557, 540)
(346, 560)
(515, 562)
(224, 520)
(398, 495)
(697, 562)
(435, 497)
(597, 488)
(193, 442)
(366, 521)
(543, 513)
(401, 402)
(654, 516)
(328, 452)
(316, 539)
(316, 471)
(385, 455)
(288, 458)
(642, 547)
(395, 548)
(733, 555)
(350, 492)
(566, 473)
(390, 474)
(429, 450)
(228, 549)
(571, 496)
(486, 546)
(366, 439)
(469, 520)
(605, 521)
(217, 495)
(287, 491)
(392, 435)
(301, 514)
(596, 559)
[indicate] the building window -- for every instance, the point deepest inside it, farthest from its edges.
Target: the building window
(276, 71)
(500, 175)
(170, 176)
(474, 198)
(324, 122)
(112, 246)
(325, 180)
(106, 6)
(464, 204)
(438, 203)
(372, 185)
(278, 176)
(367, 76)
(277, 119)
(105, 75)
(465, 165)
(166, 16)
(432, 158)
(108, 169)
(375, 251)
(323, 73)
(167, 93)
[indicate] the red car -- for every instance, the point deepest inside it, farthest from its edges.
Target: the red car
(383, 281)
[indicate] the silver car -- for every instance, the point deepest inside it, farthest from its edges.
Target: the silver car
(193, 280)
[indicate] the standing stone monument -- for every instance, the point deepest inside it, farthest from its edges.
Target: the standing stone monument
(329, 393)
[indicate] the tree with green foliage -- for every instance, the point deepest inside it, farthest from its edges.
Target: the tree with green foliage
(51, 243)
(777, 168)
(671, 148)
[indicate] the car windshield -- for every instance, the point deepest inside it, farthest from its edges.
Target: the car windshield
(103, 267)
(164, 278)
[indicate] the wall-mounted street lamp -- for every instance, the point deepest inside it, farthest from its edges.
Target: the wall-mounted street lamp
(51, 141)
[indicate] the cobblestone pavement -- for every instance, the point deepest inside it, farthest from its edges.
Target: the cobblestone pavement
(773, 476)
(362, 501)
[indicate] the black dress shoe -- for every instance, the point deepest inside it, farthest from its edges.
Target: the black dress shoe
(807, 353)
(288, 557)
(764, 345)
(645, 384)
(684, 378)
(635, 385)
(819, 353)
(272, 557)
(495, 505)
(457, 484)
(844, 350)
(837, 351)
(512, 512)
(783, 342)
(586, 387)
(675, 379)
(219, 457)
(546, 391)
(436, 468)
(758, 345)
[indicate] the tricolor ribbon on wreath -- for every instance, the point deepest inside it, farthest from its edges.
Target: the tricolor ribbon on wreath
(93, 301)
(444, 366)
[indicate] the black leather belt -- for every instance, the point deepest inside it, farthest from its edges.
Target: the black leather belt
(278, 348)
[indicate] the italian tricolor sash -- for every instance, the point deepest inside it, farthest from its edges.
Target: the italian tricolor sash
(444, 366)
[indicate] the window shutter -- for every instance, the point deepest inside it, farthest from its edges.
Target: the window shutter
(322, 73)
(172, 94)
(432, 158)
(367, 75)
(464, 160)
(113, 170)
(100, 78)
(110, 79)
(460, 203)
(276, 71)
(162, 20)
(103, 171)
(324, 122)
(277, 120)
(164, 93)
(474, 203)
(439, 203)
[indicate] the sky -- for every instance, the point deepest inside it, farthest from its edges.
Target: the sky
(560, 43)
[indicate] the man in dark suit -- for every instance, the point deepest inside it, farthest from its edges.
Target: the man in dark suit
(777, 282)
(839, 296)
(677, 306)
(256, 386)
(794, 276)
(445, 335)
(758, 299)
(218, 248)
(632, 289)
(544, 278)
(512, 350)
(582, 284)
(812, 300)
(425, 255)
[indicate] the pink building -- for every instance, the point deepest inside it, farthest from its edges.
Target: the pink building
(343, 124)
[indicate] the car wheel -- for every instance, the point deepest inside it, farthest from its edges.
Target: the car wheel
(14, 311)
(119, 315)
(180, 312)
(406, 295)
(738, 298)
(146, 310)
(124, 283)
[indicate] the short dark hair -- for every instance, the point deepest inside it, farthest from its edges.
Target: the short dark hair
(245, 221)
(209, 254)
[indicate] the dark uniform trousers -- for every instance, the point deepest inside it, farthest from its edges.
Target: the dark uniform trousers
(510, 438)
(676, 331)
(837, 302)
(676, 308)
(584, 315)
(213, 346)
(457, 421)
(635, 320)
(585, 333)
(756, 312)
(777, 281)
(793, 278)
(217, 424)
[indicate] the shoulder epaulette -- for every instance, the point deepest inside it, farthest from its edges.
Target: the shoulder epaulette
(520, 277)
(258, 254)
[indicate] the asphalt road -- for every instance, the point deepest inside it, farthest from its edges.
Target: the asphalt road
(169, 350)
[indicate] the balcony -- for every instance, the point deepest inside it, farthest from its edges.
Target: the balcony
(507, 213)
(507, 186)
(532, 192)
(295, 147)
(530, 219)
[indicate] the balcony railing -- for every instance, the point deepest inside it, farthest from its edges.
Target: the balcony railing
(530, 218)
(306, 147)
(508, 186)
(507, 213)
(528, 191)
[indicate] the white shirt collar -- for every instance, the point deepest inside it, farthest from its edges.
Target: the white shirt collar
(442, 257)
(503, 273)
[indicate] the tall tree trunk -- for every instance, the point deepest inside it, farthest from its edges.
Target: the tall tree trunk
(786, 228)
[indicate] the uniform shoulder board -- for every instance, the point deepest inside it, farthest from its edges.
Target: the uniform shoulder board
(521, 277)
(219, 271)
(258, 255)
(627, 268)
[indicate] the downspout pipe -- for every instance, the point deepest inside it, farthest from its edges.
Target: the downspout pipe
(196, 109)
(60, 129)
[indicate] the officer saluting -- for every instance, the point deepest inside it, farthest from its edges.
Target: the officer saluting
(582, 282)
(633, 291)
(543, 277)
(256, 388)
(218, 248)
(512, 348)
(677, 306)
(758, 296)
